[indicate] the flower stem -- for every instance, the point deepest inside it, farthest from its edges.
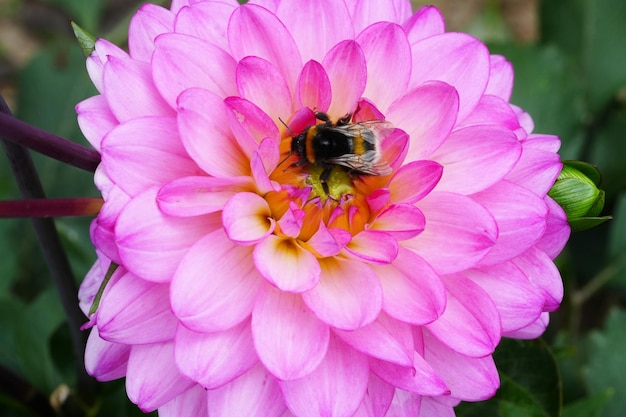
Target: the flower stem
(51, 207)
(18, 132)
(30, 187)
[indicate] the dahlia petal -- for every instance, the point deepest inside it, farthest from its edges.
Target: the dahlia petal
(412, 291)
(521, 218)
(469, 379)
(104, 360)
(449, 243)
(152, 244)
(373, 246)
(414, 180)
(419, 378)
(314, 90)
(289, 339)
(557, 230)
(476, 157)
(254, 31)
(406, 404)
(219, 156)
(285, 264)
(348, 295)
(542, 272)
(99, 57)
(291, 222)
(145, 152)
(149, 22)
(215, 299)
(402, 221)
(426, 22)
(430, 407)
(130, 91)
(177, 5)
(347, 71)
(103, 227)
(470, 324)
(519, 303)
(366, 13)
(492, 110)
(377, 399)
(216, 358)
(135, 311)
(194, 196)
(533, 330)
(191, 403)
(247, 218)
(260, 174)
(500, 77)
(207, 21)
(250, 125)
(395, 148)
(385, 338)
(255, 393)
(315, 36)
(328, 242)
(152, 378)
(427, 114)
(335, 388)
(457, 59)
(95, 119)
(388, 55)
(537, 169)
(255, 78)
(177, 66)
(548, 143)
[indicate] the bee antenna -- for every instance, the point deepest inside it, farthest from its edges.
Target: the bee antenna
(287, 126)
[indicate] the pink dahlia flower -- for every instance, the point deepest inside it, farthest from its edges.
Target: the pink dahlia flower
(258, 278)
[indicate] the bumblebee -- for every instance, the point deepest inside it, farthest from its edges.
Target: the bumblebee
(355, 147)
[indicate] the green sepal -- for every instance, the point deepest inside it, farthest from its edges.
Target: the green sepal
(586, 169)
(584, 223)
(575, 195)
(105, 281)
(85, 39)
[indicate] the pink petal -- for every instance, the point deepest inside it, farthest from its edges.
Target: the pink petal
(373, 246)
(135, 311)
(145, 152)
(104, 360)
(430, 407)
(327, 242)
(519, 303)
(475, 158)
(492, 110)
(521, 218)
(254, 31)
(291, 222)
(388, 55)
(314, 90)
(247, 218)
(152, 378)
(457, 59)
(334, 389)
(369, 12)
(402, 221)
(414, 180)
(470, 324)
(533, 330)
(177, 5)
(315, 36)
(419, 378)
(377, 398)
(98, 59)
(386, 338)
(256, 77)
(537, 169)
(149, 22)
(427, 114)
(347, 71)
(500, 77)
(459, 232)
(426, 22)
(557, 230)
(151, 244)
(469, 379)
(395, 148)
(412, 291)
(130, 91)
(255, 393)
(250, 125)
(95, 119)
(406, 404)
(216, 284)
(542, 272)
(207, 135)
(191, 403)
(177, 66)
(216, 358)
(206, 20)
(348, 295)
(263, 162)
(285, 264)
(193, 196)
(289, 339)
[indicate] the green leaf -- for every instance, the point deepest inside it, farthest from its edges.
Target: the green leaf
(617, 234)
(586, 223)
(86, 12)
(86, 40)
(10, 309)
(608, 151)
(607, 364)
(588, 407)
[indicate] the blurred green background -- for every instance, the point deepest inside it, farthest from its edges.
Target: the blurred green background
(570, 67)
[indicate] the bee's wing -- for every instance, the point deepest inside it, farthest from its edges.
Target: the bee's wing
(369, 162)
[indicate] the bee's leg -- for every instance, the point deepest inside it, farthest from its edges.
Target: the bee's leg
(324, 177)
(344, 120)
